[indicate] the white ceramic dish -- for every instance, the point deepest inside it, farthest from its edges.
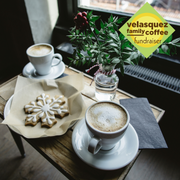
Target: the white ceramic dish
(121, 155)
(7, 111)
(56, 71)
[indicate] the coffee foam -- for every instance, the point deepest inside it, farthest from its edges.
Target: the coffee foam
(107, 117)
(39, 50)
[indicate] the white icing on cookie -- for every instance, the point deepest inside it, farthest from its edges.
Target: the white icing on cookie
(44, 109)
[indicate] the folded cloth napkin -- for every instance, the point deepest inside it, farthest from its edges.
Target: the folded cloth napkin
(144, 122)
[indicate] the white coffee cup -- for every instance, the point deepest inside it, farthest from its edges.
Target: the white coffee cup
(41, 56)
(105, 136)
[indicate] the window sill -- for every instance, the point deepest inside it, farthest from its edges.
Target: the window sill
(165, 64)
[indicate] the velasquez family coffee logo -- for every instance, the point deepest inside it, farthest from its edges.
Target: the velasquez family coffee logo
(146, 30)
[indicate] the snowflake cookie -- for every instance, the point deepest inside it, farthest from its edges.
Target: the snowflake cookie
(45, 109)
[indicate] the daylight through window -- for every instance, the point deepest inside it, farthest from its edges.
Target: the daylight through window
(168, 9)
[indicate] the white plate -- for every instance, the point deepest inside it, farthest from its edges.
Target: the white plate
(56, 71)
(121, 155)
(7, 111)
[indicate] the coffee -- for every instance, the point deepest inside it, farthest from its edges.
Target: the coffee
(106, 117)
(39, 50)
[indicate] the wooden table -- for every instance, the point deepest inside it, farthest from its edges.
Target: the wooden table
(59, 150)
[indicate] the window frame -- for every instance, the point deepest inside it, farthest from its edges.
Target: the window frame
(161, 63)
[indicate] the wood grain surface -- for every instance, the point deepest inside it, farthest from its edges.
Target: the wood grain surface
(59, 150)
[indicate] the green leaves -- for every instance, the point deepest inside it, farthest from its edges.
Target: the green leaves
(105, 45)
(175, 42)
(164, 48)
(94, 18)
(91, 17)
(96, 31)
(113, 36)
(120, 20)
(115, 60)
(169, 46)
(89, 14)
(110, 19)
(102, 24)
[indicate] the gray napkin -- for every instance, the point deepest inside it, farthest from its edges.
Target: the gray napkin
(145, 124)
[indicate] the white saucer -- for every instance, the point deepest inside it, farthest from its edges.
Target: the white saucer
(56, 71)
(121, 155)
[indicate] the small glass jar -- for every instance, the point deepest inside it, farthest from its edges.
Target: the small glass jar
(106, 85)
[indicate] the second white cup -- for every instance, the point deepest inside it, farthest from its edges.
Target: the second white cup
(41, 56)
(106, 123)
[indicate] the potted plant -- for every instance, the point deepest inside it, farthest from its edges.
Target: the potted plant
(107, 48)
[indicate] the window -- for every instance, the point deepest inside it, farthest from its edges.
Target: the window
(168, 9)
(68, 9)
